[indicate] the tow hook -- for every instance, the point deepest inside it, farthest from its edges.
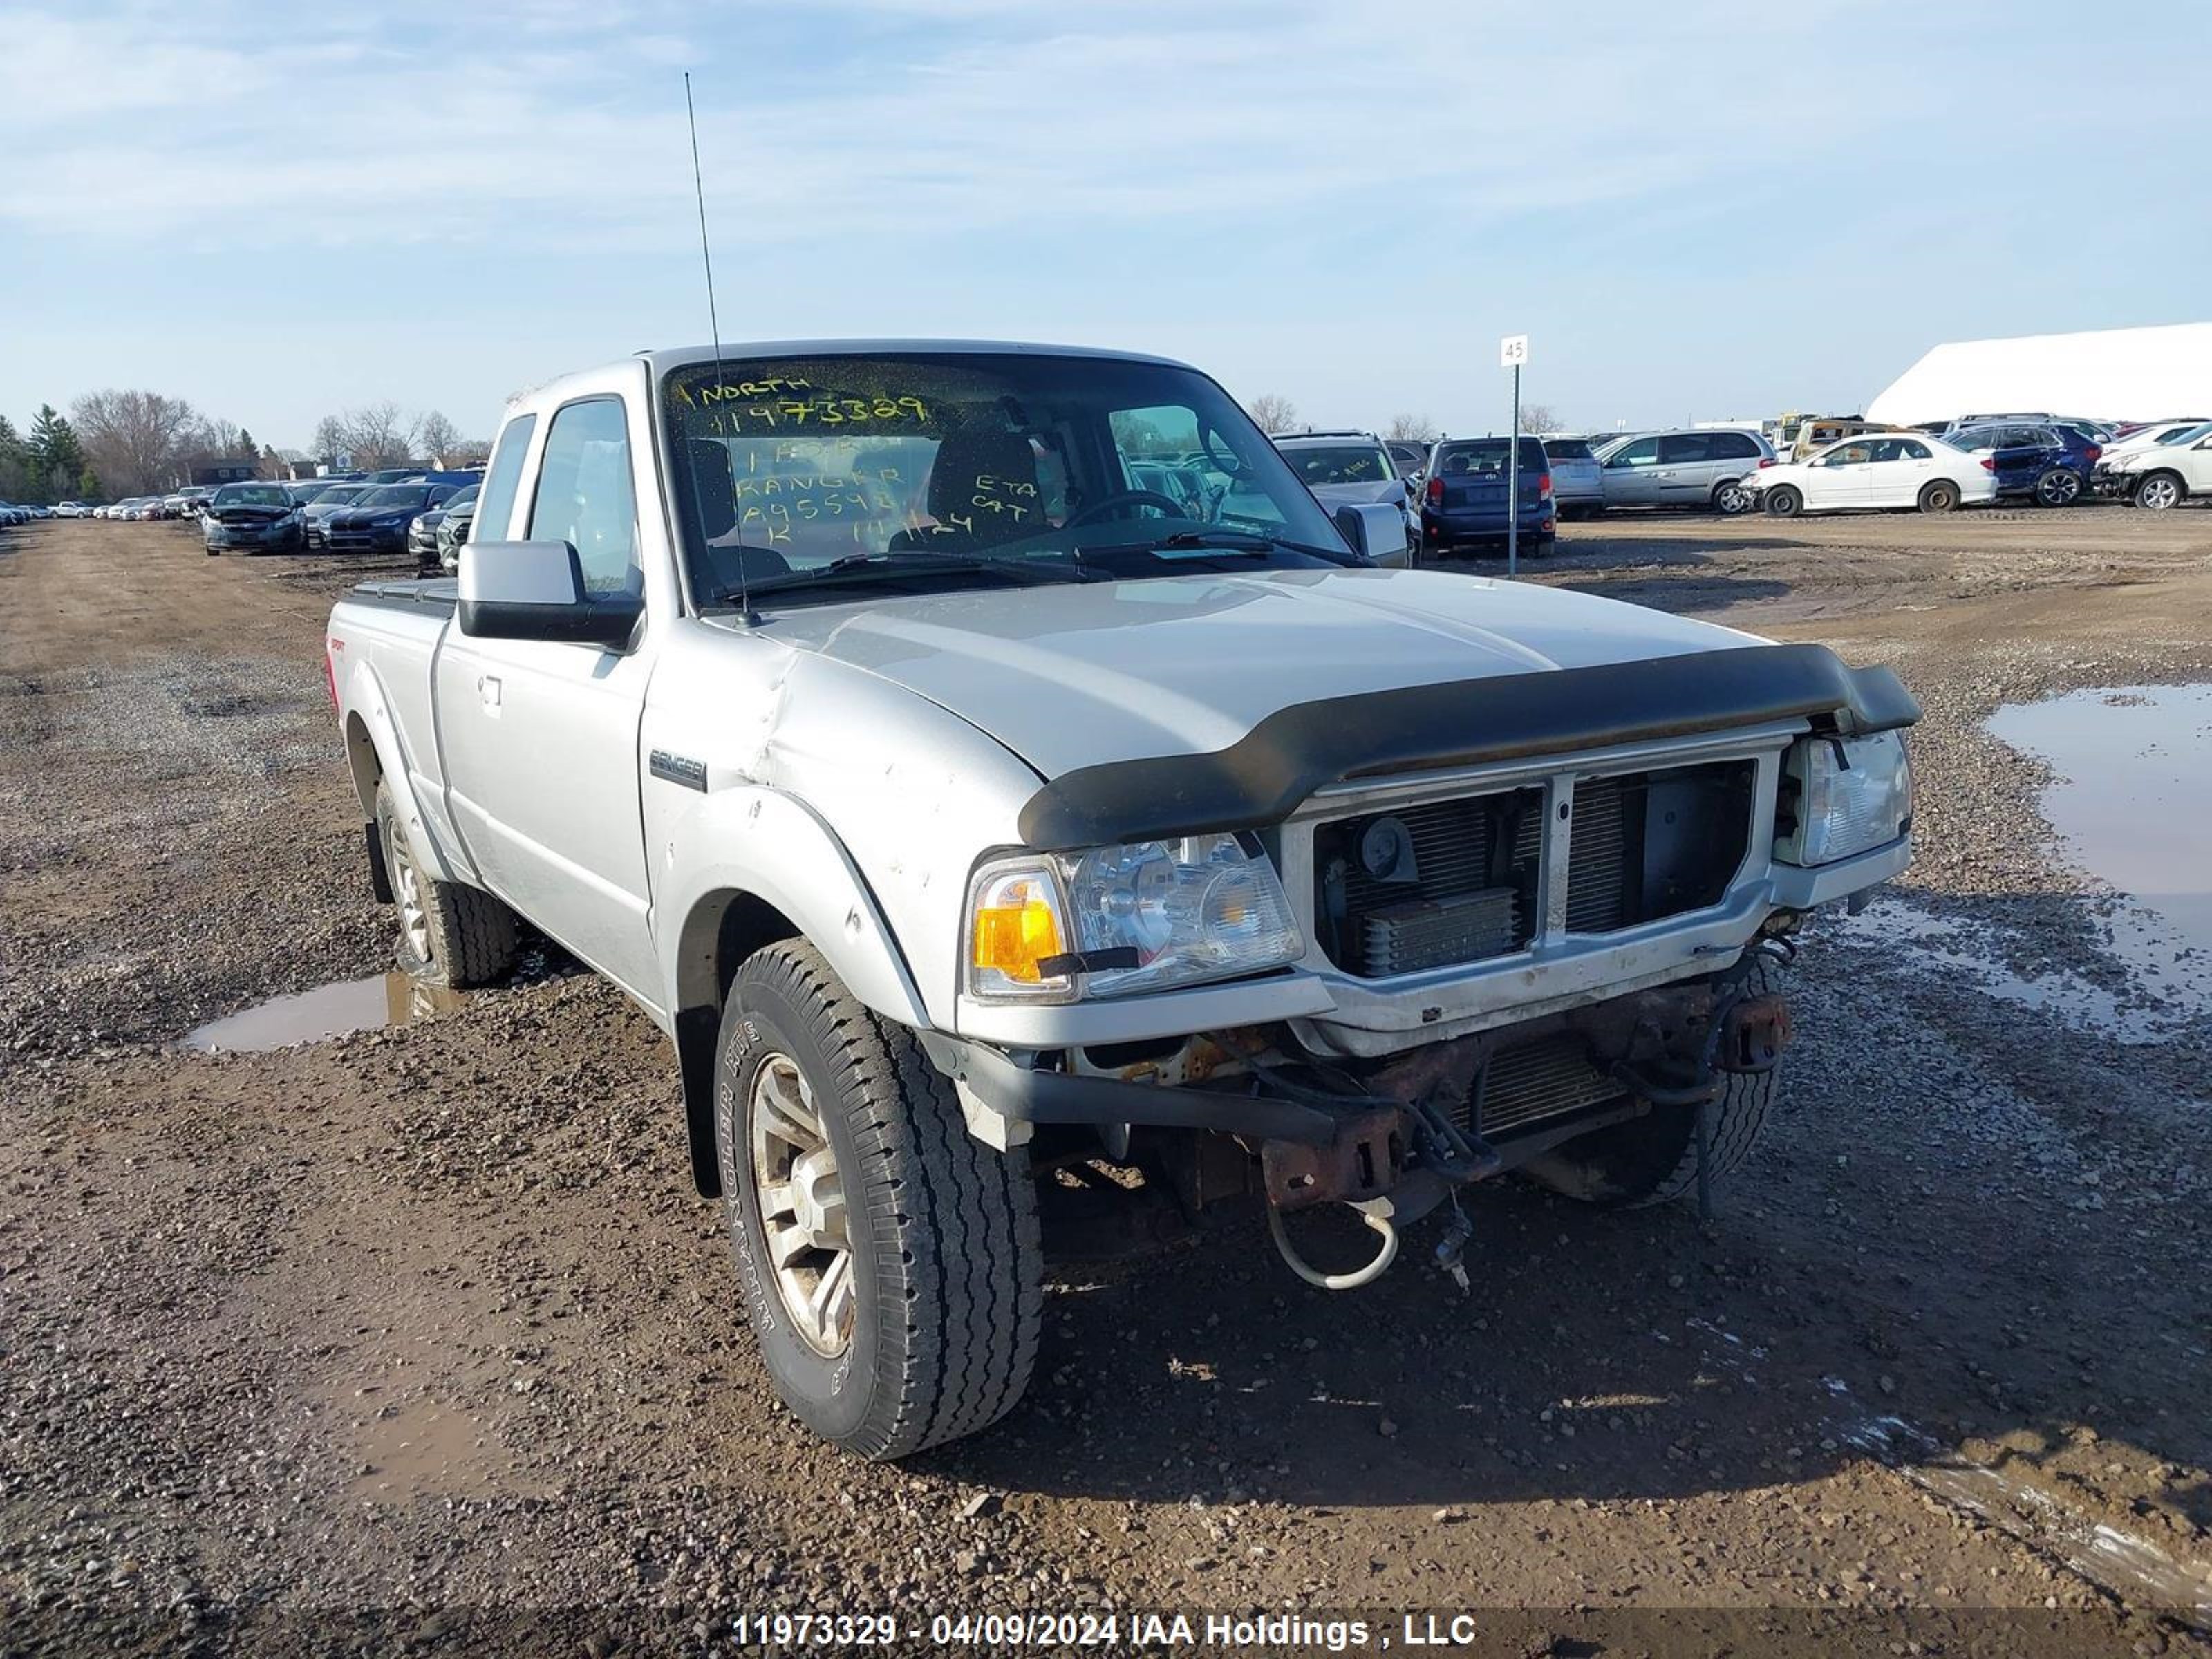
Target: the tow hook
(1753, 1033)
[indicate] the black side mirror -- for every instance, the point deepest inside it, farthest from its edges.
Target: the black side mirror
(535, 590)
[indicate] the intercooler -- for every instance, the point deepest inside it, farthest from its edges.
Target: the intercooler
(1537, 1083)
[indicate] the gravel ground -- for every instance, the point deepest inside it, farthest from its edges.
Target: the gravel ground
(416, 1339)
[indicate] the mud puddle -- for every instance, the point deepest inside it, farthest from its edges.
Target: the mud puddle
(2130, 796)
(328, 1010)
(2134, 791)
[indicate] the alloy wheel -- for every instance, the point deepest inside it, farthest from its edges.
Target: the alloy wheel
(802, 1206)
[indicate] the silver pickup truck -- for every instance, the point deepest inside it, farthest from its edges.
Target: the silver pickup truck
(971, 813)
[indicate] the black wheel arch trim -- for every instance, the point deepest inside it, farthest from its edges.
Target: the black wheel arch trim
(1260, 778)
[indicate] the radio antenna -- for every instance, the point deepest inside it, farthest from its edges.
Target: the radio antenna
(714, 329)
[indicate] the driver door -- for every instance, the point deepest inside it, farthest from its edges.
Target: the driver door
(1842, 478)
(540, 738)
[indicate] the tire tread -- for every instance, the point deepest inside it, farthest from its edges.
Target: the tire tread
(959, 1232)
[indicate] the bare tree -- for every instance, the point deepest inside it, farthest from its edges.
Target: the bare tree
(1539, 418)
(1411, 428)
(438, 437)
(1271, 411)
(378, 436)
(330, 439)
(133, 439)
(470, 451)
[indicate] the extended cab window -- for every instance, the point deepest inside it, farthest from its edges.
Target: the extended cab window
(495, 508)
(584, 497)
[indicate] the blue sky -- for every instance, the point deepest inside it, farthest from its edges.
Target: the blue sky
(1695, 209)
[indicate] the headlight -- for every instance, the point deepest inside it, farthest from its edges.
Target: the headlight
(1851, 795)
(1055, 927)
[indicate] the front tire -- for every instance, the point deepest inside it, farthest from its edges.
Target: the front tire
(1784, 502)
(2161, 491)
(1940, 495)
(891, 1262)
(449, 933)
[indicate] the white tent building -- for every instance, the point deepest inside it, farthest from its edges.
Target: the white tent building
(2119, 374)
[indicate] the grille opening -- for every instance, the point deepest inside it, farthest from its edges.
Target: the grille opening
(1425, 886)
(1647, 845)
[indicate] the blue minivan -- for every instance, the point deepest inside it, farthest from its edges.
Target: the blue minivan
(1465, 498)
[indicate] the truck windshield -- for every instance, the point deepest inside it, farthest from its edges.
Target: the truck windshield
(992, 461)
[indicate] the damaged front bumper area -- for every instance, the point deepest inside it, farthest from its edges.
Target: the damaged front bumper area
(1400, 1133)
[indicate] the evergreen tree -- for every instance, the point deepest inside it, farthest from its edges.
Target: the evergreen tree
(14, 463)
(55, 456)
(88, 484)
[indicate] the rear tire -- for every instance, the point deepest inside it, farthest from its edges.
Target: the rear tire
(449, 933)
(1784, 502)
(1939, 496)
(1654, 1158)
(1730, 498)
(2161, 491)
(2059, 487)
(928, 1330)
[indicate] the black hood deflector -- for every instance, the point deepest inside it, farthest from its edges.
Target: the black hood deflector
(1261, 777)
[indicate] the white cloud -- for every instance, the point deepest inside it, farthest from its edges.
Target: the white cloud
(559, 123)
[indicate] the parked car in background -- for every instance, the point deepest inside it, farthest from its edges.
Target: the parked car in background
(423, 534)
(1879, 470)
(12, 514)
(1410, 456)
(1466, 498)
(72, 510)
(1799, 436)
(2167, 475)
(2113, 478)
(453, 530)
(1577, 480)
(1701, 467)
(253, 518)
(1344, 468)
(2066, 458)
(328, 499)
(376, 522)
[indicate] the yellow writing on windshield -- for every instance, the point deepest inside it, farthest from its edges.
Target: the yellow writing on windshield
(777, 413)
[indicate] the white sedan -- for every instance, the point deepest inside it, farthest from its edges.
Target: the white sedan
(1876, 469)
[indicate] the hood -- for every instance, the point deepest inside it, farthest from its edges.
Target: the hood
(1380, 490)
(1083, 674)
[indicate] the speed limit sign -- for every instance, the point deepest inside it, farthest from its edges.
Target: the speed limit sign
(1513, 352)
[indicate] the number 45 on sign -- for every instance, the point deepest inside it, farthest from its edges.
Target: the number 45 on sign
(1513, 352)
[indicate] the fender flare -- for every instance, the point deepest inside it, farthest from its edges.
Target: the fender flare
(374, 752)
(768, 848)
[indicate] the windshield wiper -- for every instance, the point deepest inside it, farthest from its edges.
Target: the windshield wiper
(862, 569)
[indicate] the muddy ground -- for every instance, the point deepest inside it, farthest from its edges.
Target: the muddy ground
(420, 1332)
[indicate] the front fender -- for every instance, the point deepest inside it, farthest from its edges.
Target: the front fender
(761, 844)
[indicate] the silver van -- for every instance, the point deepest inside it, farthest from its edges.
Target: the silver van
(1702, 467)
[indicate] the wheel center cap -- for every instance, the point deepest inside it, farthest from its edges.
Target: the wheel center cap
(818, 1210)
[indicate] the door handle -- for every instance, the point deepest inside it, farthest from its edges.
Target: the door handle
(488, 689)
